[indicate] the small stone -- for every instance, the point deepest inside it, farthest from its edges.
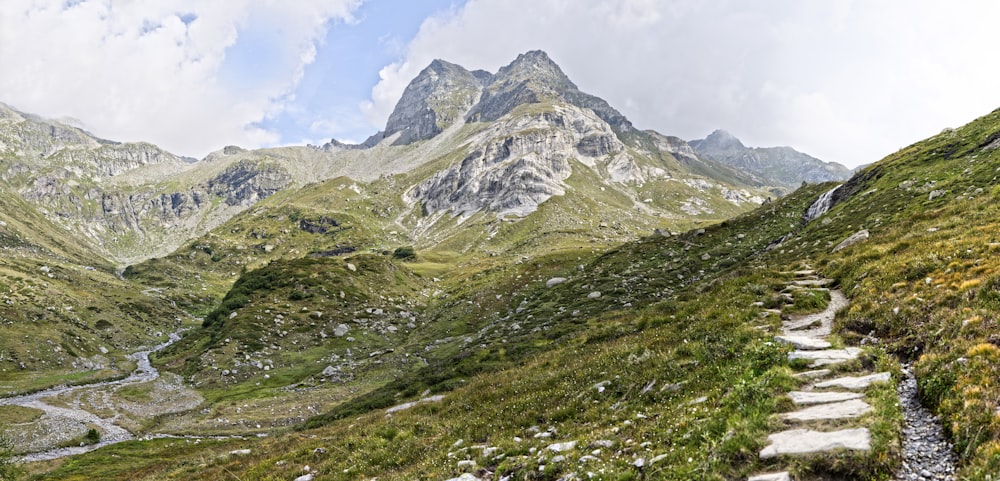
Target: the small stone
(561, 447)
(594, 295)
(555, 281)
(351, 267)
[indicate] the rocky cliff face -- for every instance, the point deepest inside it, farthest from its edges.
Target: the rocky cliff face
(775, 166)
(130, 199)
(438, 97)
(520, 162)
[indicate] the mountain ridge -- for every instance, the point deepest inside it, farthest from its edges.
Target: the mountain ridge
(781, 166)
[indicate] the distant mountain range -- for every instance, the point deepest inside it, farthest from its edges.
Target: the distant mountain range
(782, 167)
(459, 143)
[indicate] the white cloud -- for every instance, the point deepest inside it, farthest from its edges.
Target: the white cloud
(842, 80)
(158, 71)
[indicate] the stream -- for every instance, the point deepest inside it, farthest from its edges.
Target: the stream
(111, 432)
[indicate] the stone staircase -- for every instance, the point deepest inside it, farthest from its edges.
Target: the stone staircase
(821, 402)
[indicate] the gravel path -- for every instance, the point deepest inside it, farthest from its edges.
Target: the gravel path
(927, 454)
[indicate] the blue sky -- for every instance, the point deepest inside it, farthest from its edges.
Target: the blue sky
(327, 99)
(843, 80)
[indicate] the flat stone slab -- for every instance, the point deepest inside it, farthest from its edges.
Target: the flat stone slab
(805, 441)
(805, 343)
(826, 357)
(803, 398)
(837, 410)
(855, 382)
(782, 476)
(812, 282)
(812, 374)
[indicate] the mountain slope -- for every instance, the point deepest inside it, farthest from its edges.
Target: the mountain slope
(672, 361)
(775, 166)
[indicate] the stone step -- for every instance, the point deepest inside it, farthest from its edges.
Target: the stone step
(804, 398)
(812, 374)
(782, 476)
(812, 282)
(825, 357)
(855, 382)
(805, 441)
(836, 410)
(805, 343)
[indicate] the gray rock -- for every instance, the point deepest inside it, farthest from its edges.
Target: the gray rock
(805, 441)
(805, 343)
(826, 357)
(561, 447)
(341, 330)
(555, 281)
(855, 238)
(838, 410)
(812, 374)
(821, 397)
(594, 295)
(859, 382)
(465, 477)
(782, 476)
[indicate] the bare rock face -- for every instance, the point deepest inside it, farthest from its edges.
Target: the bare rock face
(440, 95)
(522, 162)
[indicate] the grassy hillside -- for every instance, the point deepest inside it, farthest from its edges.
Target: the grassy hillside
(652, 359)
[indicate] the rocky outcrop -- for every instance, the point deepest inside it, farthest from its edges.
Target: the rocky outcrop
(247, 182)
(522, 162)
(440, 95)
(774, 166)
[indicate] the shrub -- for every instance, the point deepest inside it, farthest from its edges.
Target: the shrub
(405, 253)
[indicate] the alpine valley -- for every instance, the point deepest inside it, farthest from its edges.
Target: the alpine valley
(510, 281)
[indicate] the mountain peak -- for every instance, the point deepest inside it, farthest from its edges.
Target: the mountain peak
(537, 68)
(721, 140)
(439, 95)
(777, 166)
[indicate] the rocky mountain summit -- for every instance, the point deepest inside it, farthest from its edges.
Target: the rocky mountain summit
(776, 166)
(459, 143)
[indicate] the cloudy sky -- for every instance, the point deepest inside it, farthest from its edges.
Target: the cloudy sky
(846, 81)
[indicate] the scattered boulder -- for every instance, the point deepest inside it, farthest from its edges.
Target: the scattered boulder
(855, 238)
(594, 295)
(555, 281)
(562, 447)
